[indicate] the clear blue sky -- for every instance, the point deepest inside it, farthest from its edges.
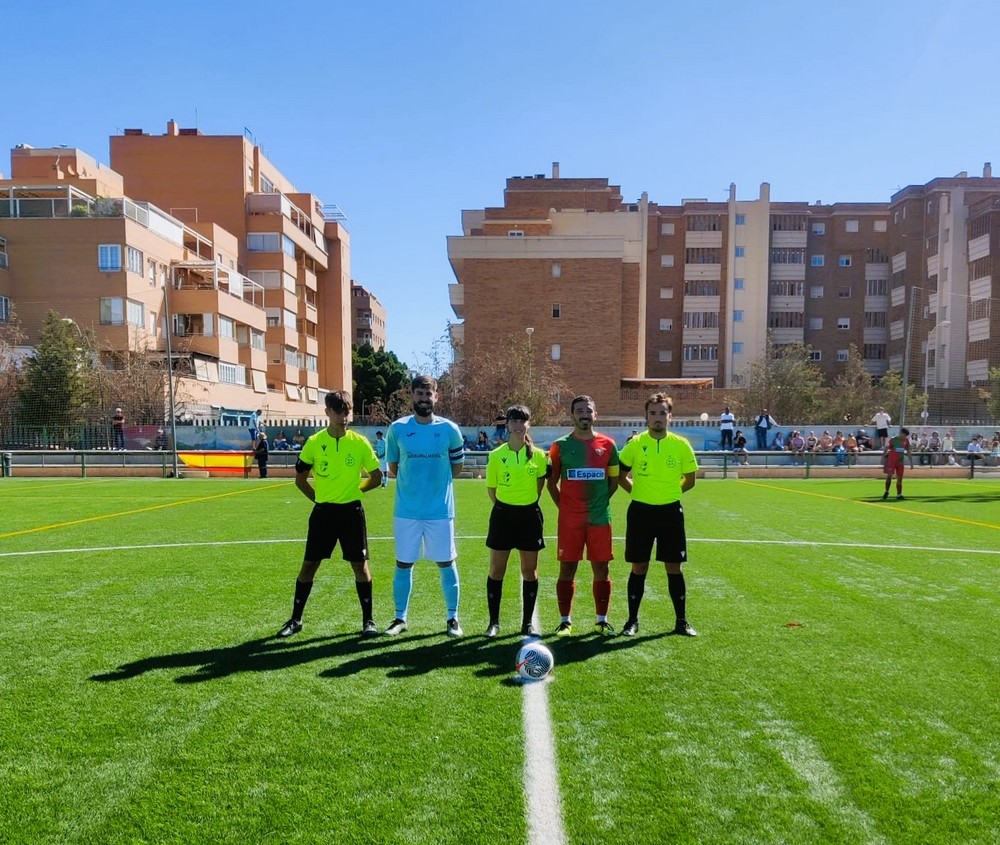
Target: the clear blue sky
(404, 113)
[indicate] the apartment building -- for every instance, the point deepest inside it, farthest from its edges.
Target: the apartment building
(244, 278)
(367, 317)
(632, 295)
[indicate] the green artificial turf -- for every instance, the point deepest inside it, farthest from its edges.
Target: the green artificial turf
(843, 689)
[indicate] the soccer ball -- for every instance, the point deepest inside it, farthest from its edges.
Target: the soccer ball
(704, 416)
(534, 661)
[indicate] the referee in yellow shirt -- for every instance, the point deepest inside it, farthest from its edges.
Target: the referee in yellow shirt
(656, 468)
(336, 458)
(515, 475)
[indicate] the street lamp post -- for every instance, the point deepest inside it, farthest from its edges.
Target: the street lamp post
(530, 330)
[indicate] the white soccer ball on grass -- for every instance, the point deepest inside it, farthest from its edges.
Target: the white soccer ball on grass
(534, 661)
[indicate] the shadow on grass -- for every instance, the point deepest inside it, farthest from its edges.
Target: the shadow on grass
(400, 657)
(979, 497)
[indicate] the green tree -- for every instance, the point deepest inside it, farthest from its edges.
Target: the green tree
(378, 375)
(52, 394)
(851, 399)
(991, 394)
(888, 393)
(783, 380)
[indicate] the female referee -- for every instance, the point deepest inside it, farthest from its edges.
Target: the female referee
(515, 475)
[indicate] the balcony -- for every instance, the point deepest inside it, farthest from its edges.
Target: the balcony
(207, 287)
(456, 295)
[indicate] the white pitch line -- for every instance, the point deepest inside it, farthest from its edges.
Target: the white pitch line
(738, 541)
(543, 805)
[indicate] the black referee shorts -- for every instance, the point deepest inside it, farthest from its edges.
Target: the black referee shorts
(515, 527)
(662, 524)
(331, 523)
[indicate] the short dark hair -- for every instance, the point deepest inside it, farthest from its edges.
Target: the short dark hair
(904, 431)
(517, 412)
(338, 401)
(582, 397)
(657, 398)
(424, 381)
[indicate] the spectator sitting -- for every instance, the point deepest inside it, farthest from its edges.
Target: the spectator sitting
(825, 443)
(281, 443)
(161, 443)
(852, 449)
(779, 442)
(948, 447)
(740, 448)
(934, 447)
(840, 448)
(975, 450)
(811, 441)
(994, 456)
(482, 442)
(864, 441)
(922, 447)
(298, 440)
(797, 446)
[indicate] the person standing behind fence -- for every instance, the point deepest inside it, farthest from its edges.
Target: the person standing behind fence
(727, 424)
(762, 425)
(261, 453)
(383, 465)
(118, 430)
(657, 468)
(336, 457)
(515, 476)
(881, 420)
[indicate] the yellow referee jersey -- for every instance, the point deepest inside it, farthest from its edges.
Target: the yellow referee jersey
(336, 465)
(658, 467)
(514, 475)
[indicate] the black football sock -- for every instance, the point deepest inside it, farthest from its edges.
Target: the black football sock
(494, 592)
(675, 585)
(529, 595)
(364, 589)
(636, 588)
(302, 590)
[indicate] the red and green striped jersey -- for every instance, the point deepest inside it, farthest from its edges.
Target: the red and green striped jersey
(583, 468)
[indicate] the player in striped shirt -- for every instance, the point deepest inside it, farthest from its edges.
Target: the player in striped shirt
(582, 479)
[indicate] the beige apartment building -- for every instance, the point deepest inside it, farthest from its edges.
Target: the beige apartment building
(253, 275)
(367, 317)
(632, 295)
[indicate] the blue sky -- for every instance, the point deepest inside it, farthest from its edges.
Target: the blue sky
(404, 113)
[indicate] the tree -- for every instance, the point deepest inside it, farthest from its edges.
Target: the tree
(11, 376)
(888, 393)
(852, 396)
(783, 380)
(486, 380)
(992, 394)
(378, 375)
(52, 394)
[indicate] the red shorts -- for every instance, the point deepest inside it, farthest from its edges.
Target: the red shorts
(894, 464)
(574, 534)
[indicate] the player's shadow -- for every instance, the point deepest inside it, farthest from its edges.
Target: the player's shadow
(265, 654)
(979, 497)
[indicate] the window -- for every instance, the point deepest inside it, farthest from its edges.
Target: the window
(876, 287)
(556, 310)
(109, 257)
(666, 261)
(232, 373)
(787, 288)
(112, 310)
(666, 228)
(815, 324)
(152, 273)
(819, 228)
(842, 354)
(843, 323)
(880, 225)
(556, 352)
(816, 291)
(875, 351)
(136, 314)
(227, 327)
(152, 323)
(701, 287)
(556, 270)
(701, 352)
(785, 320)
(741, 252)
(741, 219)
(515, 233)
(816, 260)
(266, 186)
(701, 320)
(4, 309)
(947, 235)
(666, 293)
(843, 293)
(850, 225)
(783, 255)
(739, 284)
(263, 242)
(135, 262)
(895, 218)
(737, 316)
(666, 324)
(666, 355)
(738, 348)
(875, 320)
(845, 261)
(815, 355)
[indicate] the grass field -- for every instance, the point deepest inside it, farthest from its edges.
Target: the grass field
(844, 687)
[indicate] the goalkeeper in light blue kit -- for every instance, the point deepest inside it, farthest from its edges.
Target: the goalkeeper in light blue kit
(425, 453)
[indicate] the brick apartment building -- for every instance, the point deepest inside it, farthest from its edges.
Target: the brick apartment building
(367, 317)
(632, 295)
(255, 276)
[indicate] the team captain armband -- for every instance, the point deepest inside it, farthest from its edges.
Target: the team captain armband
(585, 474)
